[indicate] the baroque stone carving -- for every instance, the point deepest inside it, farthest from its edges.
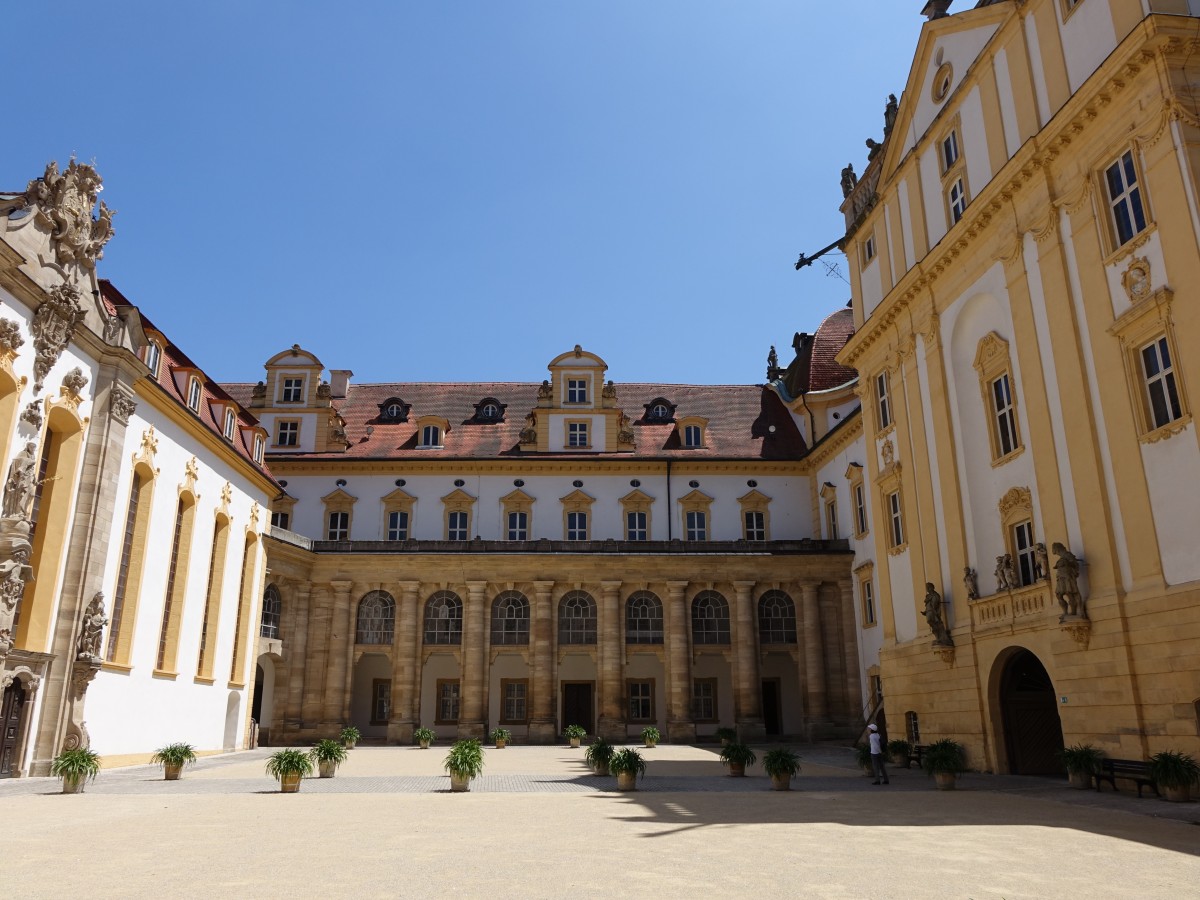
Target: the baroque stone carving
(15, 573)
(121, 405)
(1066, 584)
(1041, 563)
(545, 392)
(849, 180)
(65, 201)
(890, 112)
(53, 324)
(10, 337)
(72, 387)
(1006, 573)
(1015, 498)
(260, 391)
(888, 451)
(1137, 279)
(529, 432)
(933, 617)
(971, 582)
(624, 432)
(21, 483)
(91, 628)
(32, 414)
(609, 391)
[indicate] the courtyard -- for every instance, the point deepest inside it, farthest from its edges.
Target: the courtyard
(538, 824)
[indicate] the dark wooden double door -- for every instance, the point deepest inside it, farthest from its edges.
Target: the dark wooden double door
(1032, 729)
(577, 708)
(12, 712)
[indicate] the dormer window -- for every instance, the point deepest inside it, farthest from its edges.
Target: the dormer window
(153, 355)
(489, 409)
(693, 436)
(230, 423)
(193, 397)
(660, 411)
(258, 448)
(393, 410)
(292, 390)
(431, 436)
(577, 390)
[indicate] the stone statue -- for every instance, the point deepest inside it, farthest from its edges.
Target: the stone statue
(624, 432)
(1041, 563)
(21, 483)
(873, 148)
(529, 432)
(260, 390)
(849, 180)
(91, 629)
(933, 615)
(545, 392)
(609, 391)
(1002, 583)
(1010, 572)
(772, 364)
(889, 115)
(1066, 587)
(971, 582)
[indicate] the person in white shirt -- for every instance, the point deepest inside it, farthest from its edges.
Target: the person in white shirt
(877, 756)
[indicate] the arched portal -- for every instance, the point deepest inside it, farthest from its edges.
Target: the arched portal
(1031, 731)
(12, 721)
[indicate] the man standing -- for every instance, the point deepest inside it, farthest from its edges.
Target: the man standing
(877, 755)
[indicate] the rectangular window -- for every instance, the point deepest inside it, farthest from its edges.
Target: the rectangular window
(697, 525)
(577, 434)
(1005, 416)
(877, 688)
(165, 636)
(293, 390)
(860, 509)
(518, 526)
(577, 390)
(114, 632)
(153, 355)
(756, 525)
(957, 200)
(1162, 394)
(281, 520)
(949, 151)
(258, 448)
(381, 700)
(831, 522)
(883, 401)
(868, 601)
(636, 526)
(1023, 544)
(868, 249)
(896, 517)
(431, 436)
(704, 700)
(693, 436)
(397, 525)
(339, 526)
(288, 434)
(515, 693)
(641, 701)
(456, 526)
(447, 702)
(577, 526)
(1125, 199)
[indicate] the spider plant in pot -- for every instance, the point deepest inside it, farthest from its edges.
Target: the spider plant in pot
(599, 754)
(289, 765)
(464, 762)
(1175, 773)
(173, 758)
(574, 734)
(501, 737)
(651, 736)
(75, 768)
(737, 756)
(862, 755)
(627, 764)
(350, 736)
(781, 764)
(424, 737)
(901, 753)
(945, 760)
(1081, 761)
(328, 755)
(726, 734)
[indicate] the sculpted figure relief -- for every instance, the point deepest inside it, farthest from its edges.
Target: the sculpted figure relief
(21, 483)
(1066, 586)
(1041, 563)
(65, 201)
(889, 115)
(529, 432)
(92, 628)
(545, 392)
(609, 392)
(1001, 574)
(933, 616)
(971, 583)
(849, 180)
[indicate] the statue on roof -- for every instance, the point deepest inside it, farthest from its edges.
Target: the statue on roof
(849, 180)
(889, 115)
(873, 148)
(772, 364)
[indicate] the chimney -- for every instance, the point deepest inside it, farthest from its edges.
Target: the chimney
(936, 9)
(339, 381)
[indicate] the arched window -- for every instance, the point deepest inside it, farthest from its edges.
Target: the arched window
(577, 618)
(271, 609)
(510, 618)
(643, 618)
(376, 618)
(443, 618)
(776, 618)
(710, 619)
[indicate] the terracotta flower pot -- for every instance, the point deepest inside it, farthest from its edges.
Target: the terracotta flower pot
(500, 745)
(349, 745)
(901, 761)
(945, 781)
(781, 782)
(1178, 794)
(459, 783)
(627, 781)
(172, 773)
(289, 783)
(327, 768)
(737, 770)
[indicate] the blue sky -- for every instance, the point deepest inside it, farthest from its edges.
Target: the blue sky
(456, 191)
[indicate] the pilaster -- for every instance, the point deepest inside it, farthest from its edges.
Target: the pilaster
(814, 656)
(406, 665)
(680, 727)
(335, 671)
(748, 707)
(610, 629)
(471, 714)
(542, 724)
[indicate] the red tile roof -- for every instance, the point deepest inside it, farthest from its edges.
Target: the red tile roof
(824, 370)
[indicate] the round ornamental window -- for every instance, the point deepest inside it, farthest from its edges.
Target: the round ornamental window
(394, 411)
(942, 80)
(660, 411)
(490, 411)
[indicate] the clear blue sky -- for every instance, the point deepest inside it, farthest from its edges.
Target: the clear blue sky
(456, 191)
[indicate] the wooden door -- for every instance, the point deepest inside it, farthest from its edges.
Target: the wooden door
(577, 705)
(11, 712)
(772, 717)
(1032, 729)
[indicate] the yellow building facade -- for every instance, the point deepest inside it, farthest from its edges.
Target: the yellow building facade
(1023, 249)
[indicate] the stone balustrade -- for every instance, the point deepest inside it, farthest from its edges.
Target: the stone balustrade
(1028, 606)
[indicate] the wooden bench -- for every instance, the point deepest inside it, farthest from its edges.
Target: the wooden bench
(1132, 769)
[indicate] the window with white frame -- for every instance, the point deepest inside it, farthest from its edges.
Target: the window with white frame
(895, 519)
(831, 520)
(956, 200)
(431, 436)
(755, 525)
(194, 394)
(230, 423)
(949, 151)
(635, 525)
(287, 433)
(641, 701)
(1005, 416)
(292, 390)
(518, 526)
(397, 525)
(1125, 199)
(697, 525)
(281, 520)
(867, 589)
(457, 525)
(868, 248)
(577, 390)
(339, 526)
(577, 526)
(447, 701)
(1022, 538)
(153, 355)
(693, 436)
(860, 509)
(577, 434)
(258, 448)
(1158, 375)
(515, 692)
(704, 699)
(883, 400)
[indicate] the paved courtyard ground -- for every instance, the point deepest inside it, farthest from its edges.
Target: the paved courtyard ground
(538, 824)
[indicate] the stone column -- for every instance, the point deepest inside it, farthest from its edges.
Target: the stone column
(471, 711)
(319, 620)
(854, 695)
(335, 670)
(814, 655)
(748, 706)
(610, 632)
(350, 634)
(295, 600)
(406, 665)
(680, 727)
(542, 724)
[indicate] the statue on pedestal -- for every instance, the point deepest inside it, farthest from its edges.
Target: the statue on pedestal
(933, 616)
(1041, 563)
(21, 483)
(971, 583)
(92, 628)
(1066, 586)
(1001, 573)
(849, 180)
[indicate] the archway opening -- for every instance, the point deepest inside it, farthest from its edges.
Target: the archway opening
(12, 720)
(1029, 716)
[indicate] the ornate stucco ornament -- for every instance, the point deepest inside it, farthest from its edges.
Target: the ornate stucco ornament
(122, 405)
(71, 390)
(64, 203)
(53, 324)
(10, 338)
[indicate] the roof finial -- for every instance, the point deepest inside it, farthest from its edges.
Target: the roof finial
(936, 9)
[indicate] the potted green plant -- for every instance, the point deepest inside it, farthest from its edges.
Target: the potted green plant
(76, 768)
(737, 756)
(328, 755)
(424, 737)
(173, 757)
(598, 754)
(1081, 761)
(651, 736)
(726, 734)
(781, 764)
(900, 752)
(627, 764)
(350, 736)
(574, 734)
(1175, 773)
(501, 737)
(945, 760)
(862, 755)
(464, 762)
(289, 765)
